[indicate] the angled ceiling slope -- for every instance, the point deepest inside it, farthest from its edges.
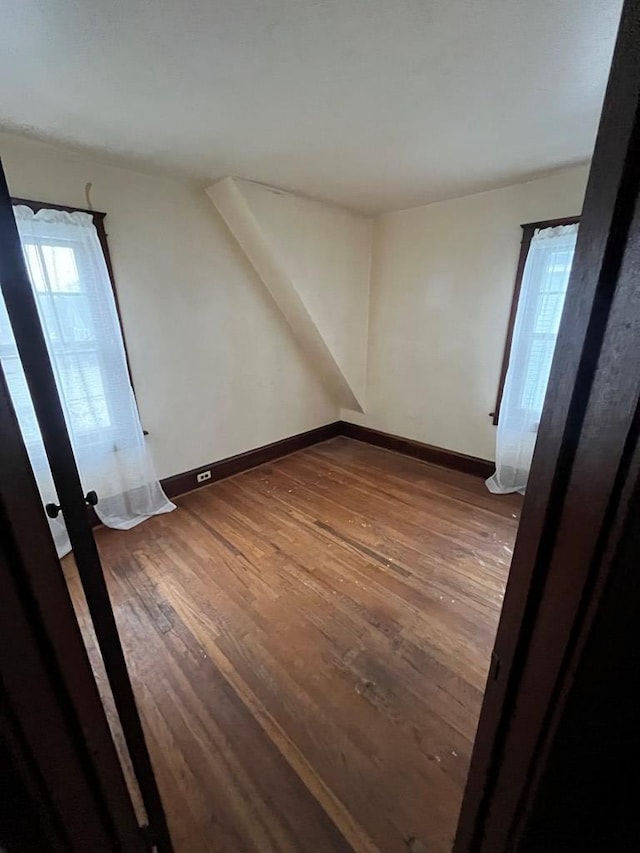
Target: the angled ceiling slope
(314, 260)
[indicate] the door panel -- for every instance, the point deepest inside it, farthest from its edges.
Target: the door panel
(581, 460)
(49, 695)
(23, 314)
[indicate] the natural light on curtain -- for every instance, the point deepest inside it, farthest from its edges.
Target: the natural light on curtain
(78, 314)
(544, 286)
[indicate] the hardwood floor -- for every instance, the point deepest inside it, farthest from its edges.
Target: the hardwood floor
(308, 643)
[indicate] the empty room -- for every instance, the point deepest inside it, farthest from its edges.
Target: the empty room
(281, 288)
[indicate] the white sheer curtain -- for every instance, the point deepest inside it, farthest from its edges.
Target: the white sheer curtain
(544, 286)
(78, 314)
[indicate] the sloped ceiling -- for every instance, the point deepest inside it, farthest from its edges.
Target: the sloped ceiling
(314, 260)
(371, 104)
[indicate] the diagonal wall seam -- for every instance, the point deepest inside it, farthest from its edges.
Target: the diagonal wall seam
(242, 223)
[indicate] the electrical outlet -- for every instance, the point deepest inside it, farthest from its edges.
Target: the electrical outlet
(203, 475)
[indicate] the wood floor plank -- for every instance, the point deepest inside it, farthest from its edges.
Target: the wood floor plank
(308, 643)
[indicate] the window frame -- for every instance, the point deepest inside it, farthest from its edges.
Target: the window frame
(528, 230)
(98, 218)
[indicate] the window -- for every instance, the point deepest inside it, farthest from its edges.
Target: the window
(66, 255)
(548, 265)
(74, 311)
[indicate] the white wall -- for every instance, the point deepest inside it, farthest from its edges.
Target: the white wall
(215, 367)
(441, 290)
(327, 252)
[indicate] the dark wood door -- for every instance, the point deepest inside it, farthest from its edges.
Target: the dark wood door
(63, 787)
(579, 499)
(22, 506)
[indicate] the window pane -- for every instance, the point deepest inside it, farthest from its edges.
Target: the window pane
(549, 312)
(545, 283)
(21, 399)
(83, 391)
(6, 332)
(67, 317)
(536, 376)
(53, 268)
(69, 322)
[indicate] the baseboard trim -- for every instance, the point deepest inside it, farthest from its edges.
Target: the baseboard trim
(425, 452)
(179, 484)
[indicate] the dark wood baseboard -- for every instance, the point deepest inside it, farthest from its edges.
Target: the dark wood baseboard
(179, 484)
(425, 452)
(187, 482)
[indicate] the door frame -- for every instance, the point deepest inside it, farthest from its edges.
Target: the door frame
(579, 486)
(571, 521)
(32, 348)
(52, 720)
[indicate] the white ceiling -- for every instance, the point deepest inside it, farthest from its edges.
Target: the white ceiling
(374, 104)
